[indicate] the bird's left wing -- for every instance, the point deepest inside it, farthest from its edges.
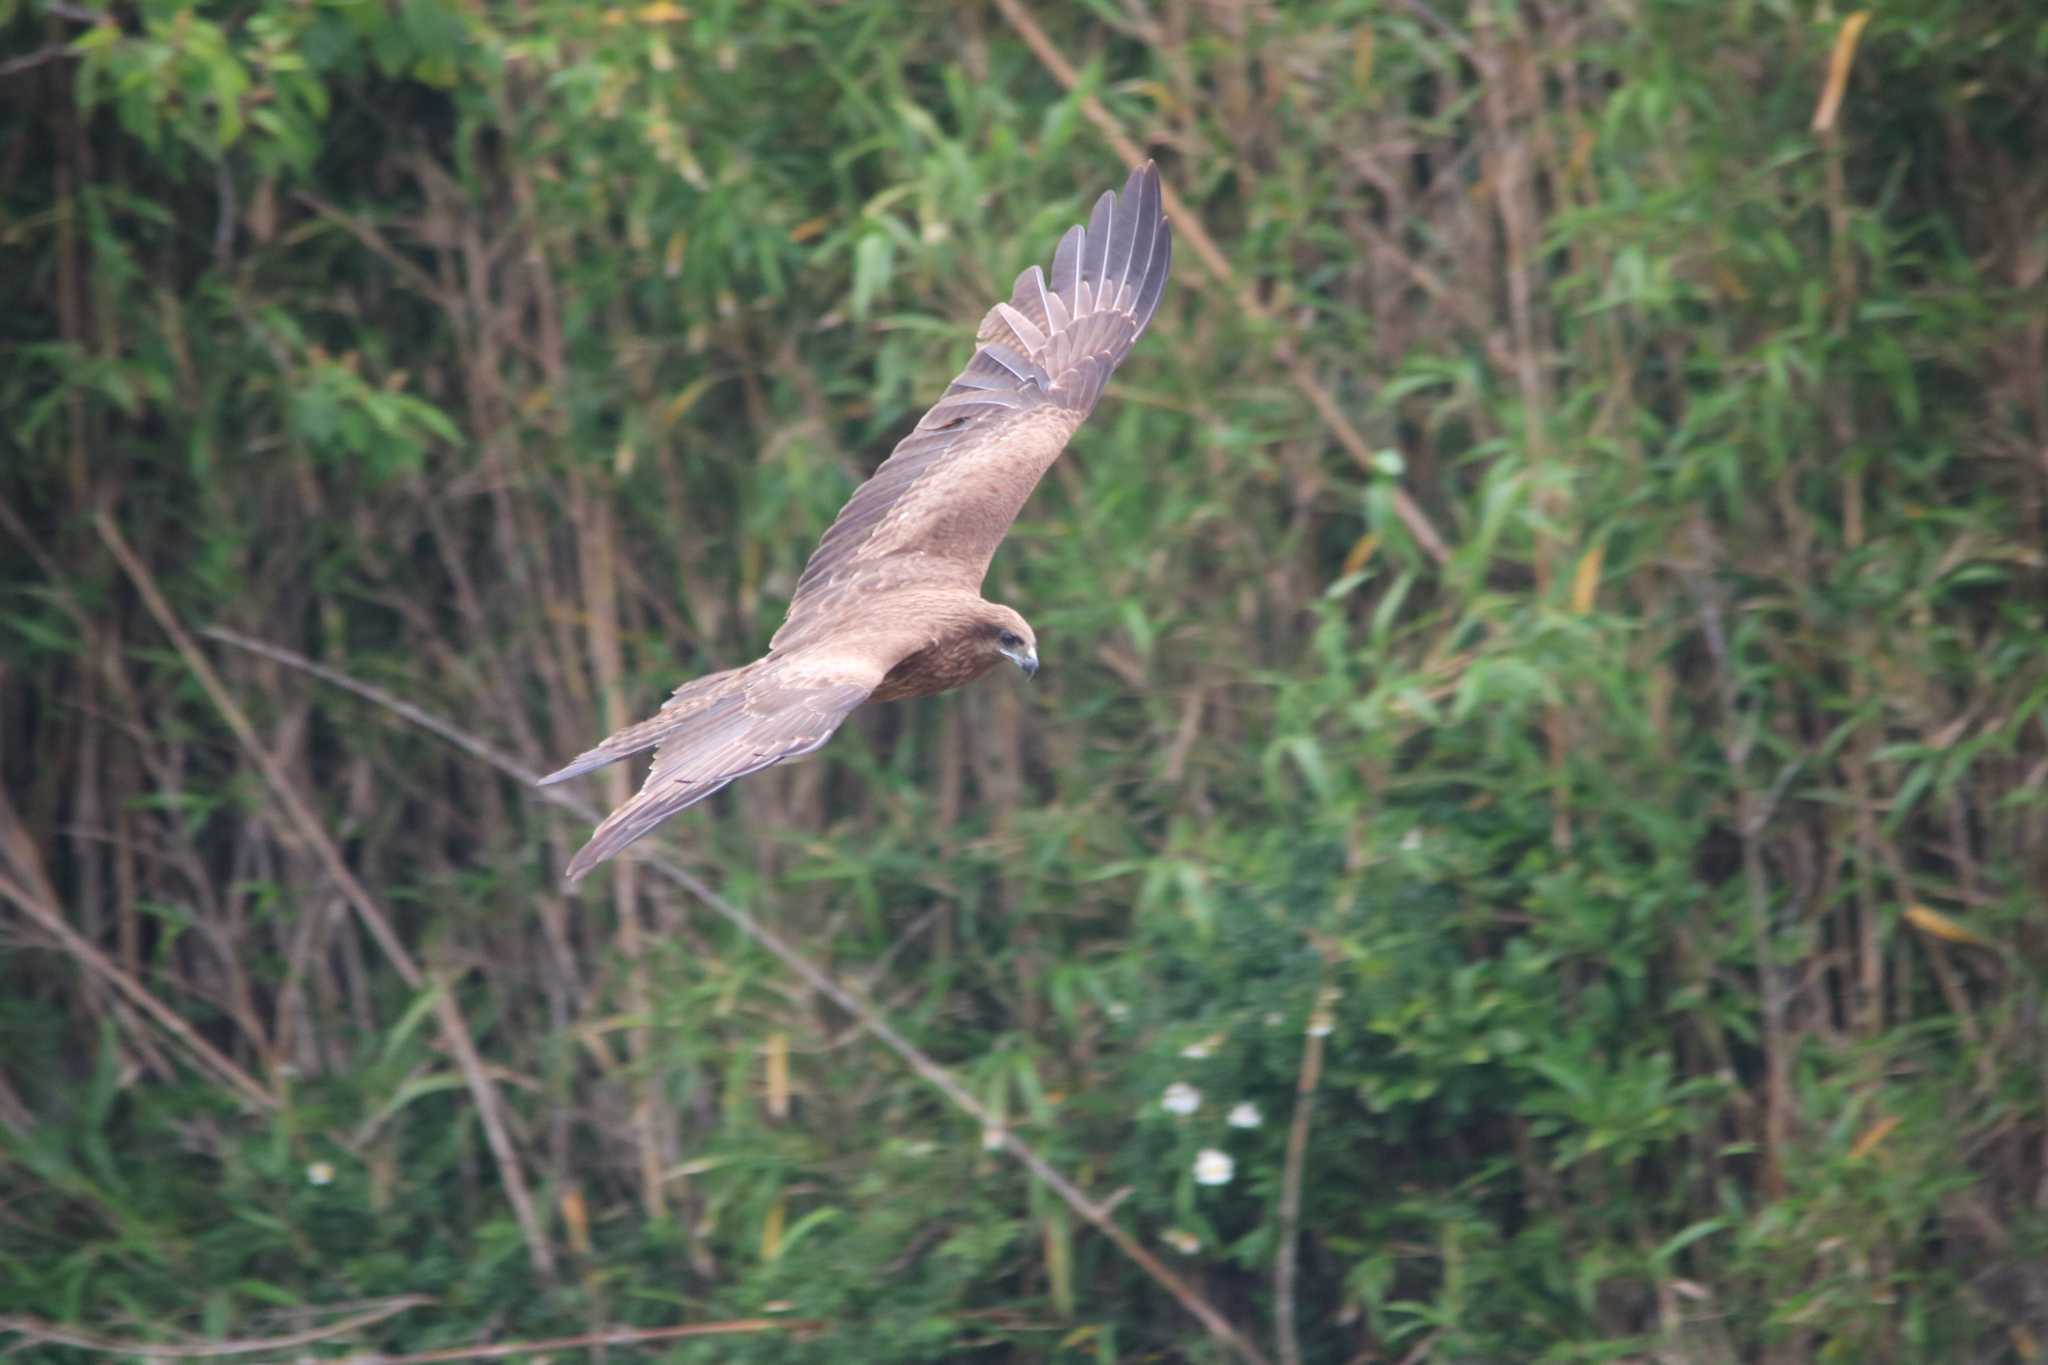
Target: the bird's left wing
(942, 501)
(774, 712)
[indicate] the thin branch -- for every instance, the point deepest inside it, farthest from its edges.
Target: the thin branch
(1287, 1258)
(26, 882)
(28, 61)
(77, 14)
(46, 914)
(613, 1336)
(453, 1028)
(35, 1329)
(373, 241)
(1738, 735)
(912, 1056)
(1187, 227)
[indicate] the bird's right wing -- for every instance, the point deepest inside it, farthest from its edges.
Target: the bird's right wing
(766, 715)
(946, 496)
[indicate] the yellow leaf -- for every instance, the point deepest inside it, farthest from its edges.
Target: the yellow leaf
(1361, 58)
(679, 406)
(1158, 92)
(1059, 1264)
(1728, 281)
(672, 255)
(1581, 159)
(534, 402)
(576, 1218)
(771, 1230)
(1937, 925)
(1839, 63)
(661, 12)
(1586, 581)
(778, 1075)
(1877, 1133)
(1361, 552)
(809, 228)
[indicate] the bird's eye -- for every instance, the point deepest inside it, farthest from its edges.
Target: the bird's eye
(1010, 641)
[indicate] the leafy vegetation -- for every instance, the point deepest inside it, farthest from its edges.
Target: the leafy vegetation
(1542, 755)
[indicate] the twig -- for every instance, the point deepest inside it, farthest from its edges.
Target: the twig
(1450, 33)
(77, 14)
(816, 978)
(47, 915)
(30, 890)
(28, 61)
(454, 1030)
(374, 242)
(1189, 228)
(1737, 737)
(1288, 1256)
(35, 1329)
(614, 1336)
(224, 222)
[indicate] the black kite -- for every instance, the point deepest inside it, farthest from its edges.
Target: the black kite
(890, 604)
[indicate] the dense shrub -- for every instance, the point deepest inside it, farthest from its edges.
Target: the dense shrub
(1547, 660)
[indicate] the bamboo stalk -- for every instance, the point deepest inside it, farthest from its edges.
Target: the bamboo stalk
(1287, 1257)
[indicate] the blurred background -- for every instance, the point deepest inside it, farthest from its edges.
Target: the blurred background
(1529, 841)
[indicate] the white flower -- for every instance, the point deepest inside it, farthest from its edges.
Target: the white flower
(1181, 1240)
(1117, 1009)
(1321, 1025)
(320, 1173)
(1196, 1052)
(1213, 1167)
(1181, 1098)
(1245, 1114)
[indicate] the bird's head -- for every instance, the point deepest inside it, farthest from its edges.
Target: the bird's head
(1010, 637)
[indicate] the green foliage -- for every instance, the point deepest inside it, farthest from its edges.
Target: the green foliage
(1649, 888)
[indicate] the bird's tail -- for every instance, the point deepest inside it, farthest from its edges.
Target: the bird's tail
(689, 699)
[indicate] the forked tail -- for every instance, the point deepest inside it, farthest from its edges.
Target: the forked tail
(689, 701)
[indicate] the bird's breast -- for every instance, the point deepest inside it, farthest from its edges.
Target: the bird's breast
(934, 669)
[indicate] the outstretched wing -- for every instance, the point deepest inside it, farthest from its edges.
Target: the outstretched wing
(766, 715)
(950, 490)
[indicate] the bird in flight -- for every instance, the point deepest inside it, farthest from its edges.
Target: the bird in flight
(890, 605)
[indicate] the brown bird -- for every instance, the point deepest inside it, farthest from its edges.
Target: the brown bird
(890, 604)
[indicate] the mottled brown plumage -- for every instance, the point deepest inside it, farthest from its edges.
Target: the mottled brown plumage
(890, 605)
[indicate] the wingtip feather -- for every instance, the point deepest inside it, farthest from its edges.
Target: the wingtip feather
(579, 765)
(1156, 271)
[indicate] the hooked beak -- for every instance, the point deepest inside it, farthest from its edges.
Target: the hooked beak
(1026, 660)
